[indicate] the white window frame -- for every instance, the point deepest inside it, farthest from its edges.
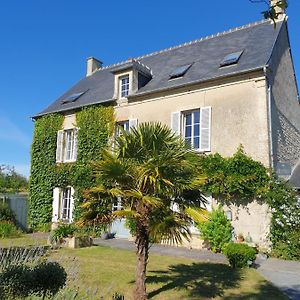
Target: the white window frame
(117, 204)
(192, 137)
(69, 145)
(124, 87)
(66, 204)
(124, 124)
(66, 145)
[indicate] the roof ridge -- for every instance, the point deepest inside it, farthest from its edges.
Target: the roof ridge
(189, 43)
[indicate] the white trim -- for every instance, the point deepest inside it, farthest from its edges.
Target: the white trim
(55, 205)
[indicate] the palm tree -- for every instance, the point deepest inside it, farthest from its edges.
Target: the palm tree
(158, 179)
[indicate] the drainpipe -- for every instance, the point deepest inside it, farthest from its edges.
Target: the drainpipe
(269, 97)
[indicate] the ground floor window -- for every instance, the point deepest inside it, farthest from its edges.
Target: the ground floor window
(63, 204)
(117, 204)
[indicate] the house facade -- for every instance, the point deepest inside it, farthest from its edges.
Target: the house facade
(218, 92)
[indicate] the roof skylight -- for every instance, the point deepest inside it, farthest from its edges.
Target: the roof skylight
(72, 98)
(231, 59)
(179, 71)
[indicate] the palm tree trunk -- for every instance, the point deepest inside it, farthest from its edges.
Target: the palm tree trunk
(142, 243)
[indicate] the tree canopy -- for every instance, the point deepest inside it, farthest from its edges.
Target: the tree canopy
(11, 181)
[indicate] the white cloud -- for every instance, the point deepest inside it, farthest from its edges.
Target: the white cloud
(9, 131)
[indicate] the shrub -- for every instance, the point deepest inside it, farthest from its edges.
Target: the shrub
(8, 230)
(48, 279)
(6, 214)
(290, 249)
(43, 280)
(239, 255)
(217, 230)
(15, 281)
(285, 223)
(63, 231)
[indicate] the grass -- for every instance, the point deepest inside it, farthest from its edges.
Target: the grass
(102, 271)
(105, 271)
(23, 240)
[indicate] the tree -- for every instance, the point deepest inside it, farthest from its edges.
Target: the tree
(274, 8)
(151, 170)
(11, 181)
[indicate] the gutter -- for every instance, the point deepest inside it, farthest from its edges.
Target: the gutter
(270, 129)
(191, 83)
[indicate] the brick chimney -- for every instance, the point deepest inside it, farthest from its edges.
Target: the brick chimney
(92, 65)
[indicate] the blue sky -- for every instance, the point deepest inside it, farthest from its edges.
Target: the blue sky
(44, 46)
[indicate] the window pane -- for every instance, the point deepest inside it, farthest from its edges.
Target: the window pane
(196, 143)
(188, 131)
(196, 130)
(189, 141)
(66, 204)
(188, 119)
(197, 116)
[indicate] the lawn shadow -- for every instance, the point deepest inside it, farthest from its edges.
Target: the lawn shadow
(198, 279)
(262, 291)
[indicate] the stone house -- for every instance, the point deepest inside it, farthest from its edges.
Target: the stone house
(234, 87)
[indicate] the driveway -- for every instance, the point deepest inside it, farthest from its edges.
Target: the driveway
(202, 255)
(283, 274)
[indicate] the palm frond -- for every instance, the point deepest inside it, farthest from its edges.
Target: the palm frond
(199, 215)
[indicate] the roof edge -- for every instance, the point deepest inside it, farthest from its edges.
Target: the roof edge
(196, 82)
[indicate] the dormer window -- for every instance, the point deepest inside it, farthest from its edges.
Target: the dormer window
(124, 86)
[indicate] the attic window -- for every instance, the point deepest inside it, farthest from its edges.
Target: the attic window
(72, 98)
(231, 59)
(179, 71)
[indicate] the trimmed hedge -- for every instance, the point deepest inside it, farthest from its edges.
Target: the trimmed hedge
(239, 255)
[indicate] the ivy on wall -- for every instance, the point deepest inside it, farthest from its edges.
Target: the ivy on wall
(96, 125)
(42, 173)
(234, 178)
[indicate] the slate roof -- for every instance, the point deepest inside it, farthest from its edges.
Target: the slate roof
(256, 39)
(295, 177)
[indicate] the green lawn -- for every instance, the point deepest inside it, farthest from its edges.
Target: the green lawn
(23, 240)
(102, 271)
(105, 270)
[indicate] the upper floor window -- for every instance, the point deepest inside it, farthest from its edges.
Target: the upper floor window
(194, 126)
(124, 86)
(191, 128)
(66, 150)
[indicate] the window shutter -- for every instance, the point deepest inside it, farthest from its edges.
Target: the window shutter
(175, 122)
(55, 204)
(133, 123)
(59, 146)
(205, 128)
(75, 143)
(72, 204)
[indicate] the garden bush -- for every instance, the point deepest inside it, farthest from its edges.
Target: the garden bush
(239, 255)
(289, 249)
(48, 278)
(217, 230)
(15, 282)
(63, 231)
(6, 214)
(8, 230)
(20, 281)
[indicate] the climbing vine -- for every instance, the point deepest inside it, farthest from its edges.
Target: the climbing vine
(234, 178)
(42, 174)
(96, 125)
